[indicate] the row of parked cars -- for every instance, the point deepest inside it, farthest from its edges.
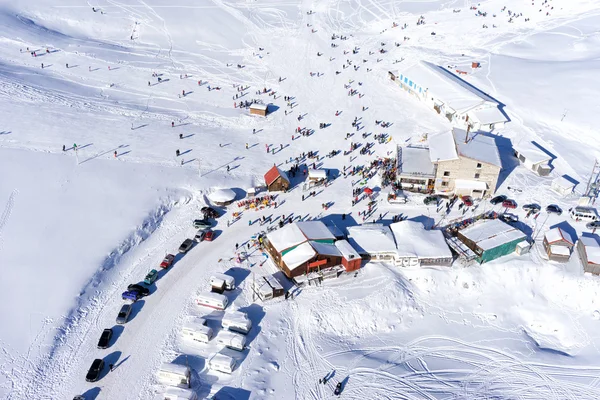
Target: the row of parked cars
(136, 291)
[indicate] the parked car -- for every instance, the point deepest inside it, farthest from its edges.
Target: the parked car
(167, 261)
(186, 245)
(509, 204)
(593, 225)
(467, 200)
(200, 235)
(202, 224)
(79, 397)
(105, 337)
(532, 207)
(151, 277)
(95, 370)
(142, 290)
(498, 199)
(431, 200)
(123, 315)
(131, 295)
(553, 208)
(338, 389)
(209, 212)
(210, 235)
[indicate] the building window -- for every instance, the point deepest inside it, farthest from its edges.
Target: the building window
(405, 80)
(446, 173)
(444, 183)
(476, 176)
(478, 165)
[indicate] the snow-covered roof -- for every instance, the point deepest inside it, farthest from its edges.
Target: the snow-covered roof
(468, 184)
(563, 183)
(489, 115)
(560, 250)
(288, 236)
(416, 161)
(263, 287)
(532, 153)
(212, 296)
(556, 235)
(315, 230)
(273, 282)
(174, 368)
(371, 239)
(442, 147)
(257, 106)
(412, 239)
(221, 359)
(299, 255)
(176, 393)
(491, 233)
(317, 174)
(479, 147)
(326, 249)
(222, 277)
(592, 249)
(445, 86)
(346, 250)
(222, 195)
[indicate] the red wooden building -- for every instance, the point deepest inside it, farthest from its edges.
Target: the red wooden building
(351, 260)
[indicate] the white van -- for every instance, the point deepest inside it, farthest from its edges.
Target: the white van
(197, 331)
(213, 300)
(236, 321)
(222, 363)
(175, 375)
(231, 340)
(587, 214)
(175, 393)
(216, 280)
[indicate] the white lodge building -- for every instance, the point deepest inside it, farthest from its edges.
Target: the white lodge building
(450, 96)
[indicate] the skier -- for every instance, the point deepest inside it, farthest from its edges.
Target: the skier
(148, 83)
(172, 124)
(42, 65)
(228, 168)
(246, 146)
(67, 64)
(111, 367)
(181, 136)
(177, 152)
(115, 154)
(183, 93)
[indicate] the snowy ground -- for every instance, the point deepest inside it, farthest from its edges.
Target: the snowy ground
(77, 227)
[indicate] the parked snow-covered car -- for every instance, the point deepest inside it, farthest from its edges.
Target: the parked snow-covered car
(105, 337)
(95, 370)
(209, 212)
(202, 224)
(175, 375)
(532, 207)
(142, 290)
(186, 245)
(131, 295)
(222, 363)
(151, 277)
(167, 261)
(124, 313)
(554, 209)
(199, 236)
(236, 321)
(498, 199)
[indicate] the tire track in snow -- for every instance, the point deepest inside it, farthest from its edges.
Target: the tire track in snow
(7, 213)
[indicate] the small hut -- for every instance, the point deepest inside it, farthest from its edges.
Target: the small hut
(558, 245)
(562, 186)
(258, 109)
(589, 251)
(351, 260)
(276, 180)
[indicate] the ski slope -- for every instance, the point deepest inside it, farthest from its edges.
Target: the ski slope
(76, 227)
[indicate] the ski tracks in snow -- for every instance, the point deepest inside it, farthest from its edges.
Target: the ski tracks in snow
(6, 213)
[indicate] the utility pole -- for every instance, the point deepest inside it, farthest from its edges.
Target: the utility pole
(564, 115)
(76, 156)
(592, 188)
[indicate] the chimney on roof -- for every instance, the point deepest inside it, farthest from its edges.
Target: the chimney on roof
(467, 135)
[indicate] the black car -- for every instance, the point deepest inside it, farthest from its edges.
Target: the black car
(104, 341)
(509, 218)
(498, 199)
(209, 212)
(532, 207)
(95, 370)
(136, 287)
(338, 389)
(553, 208)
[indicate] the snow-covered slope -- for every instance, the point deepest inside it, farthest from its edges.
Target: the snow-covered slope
(77, 226)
